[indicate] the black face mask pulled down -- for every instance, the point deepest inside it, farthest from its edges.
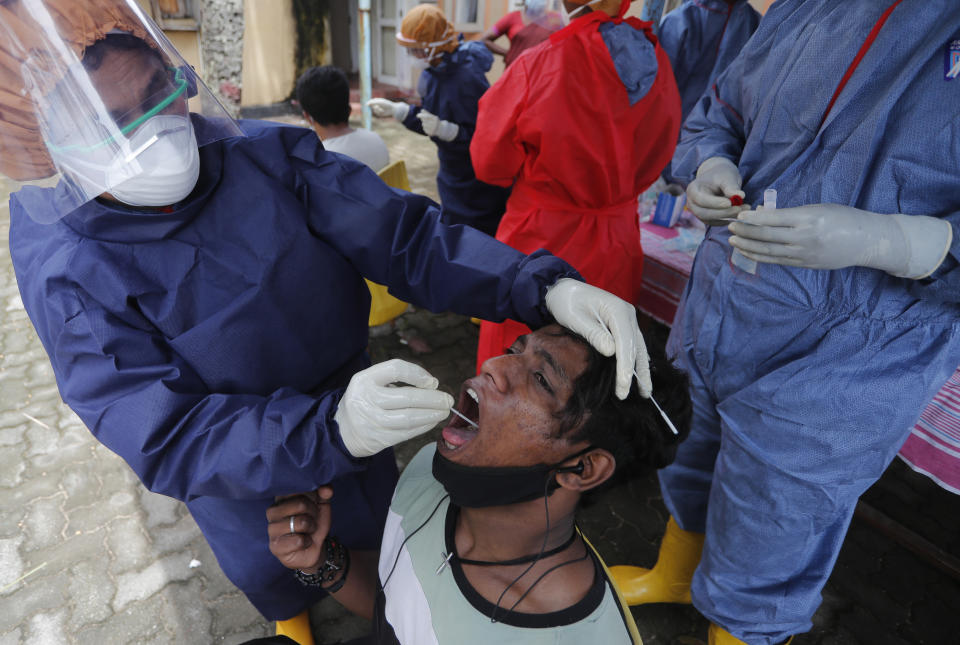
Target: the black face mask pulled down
(484, 486)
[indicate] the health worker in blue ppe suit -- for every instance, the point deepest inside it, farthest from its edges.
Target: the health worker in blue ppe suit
(450, 87)
(814, 334)
(198, 285)
(702, 37)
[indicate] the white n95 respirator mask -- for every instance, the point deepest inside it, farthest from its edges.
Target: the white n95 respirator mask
(158, 165)
(162, 167)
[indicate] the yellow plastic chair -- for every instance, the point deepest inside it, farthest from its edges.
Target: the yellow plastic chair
(383, 306)
(395, 175)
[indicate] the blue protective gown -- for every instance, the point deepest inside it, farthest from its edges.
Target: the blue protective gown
(209, 346)
(452, 91)
(702, 37)
(805, 382)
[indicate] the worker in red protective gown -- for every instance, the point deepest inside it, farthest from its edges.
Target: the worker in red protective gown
(579, 125)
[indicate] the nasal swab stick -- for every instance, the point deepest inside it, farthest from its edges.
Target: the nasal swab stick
(664, 415)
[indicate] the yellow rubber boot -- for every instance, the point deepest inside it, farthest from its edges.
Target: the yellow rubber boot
(719, 636)
(669, 579)
(297, 628)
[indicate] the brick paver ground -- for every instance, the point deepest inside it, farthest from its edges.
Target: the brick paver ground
(88, 556)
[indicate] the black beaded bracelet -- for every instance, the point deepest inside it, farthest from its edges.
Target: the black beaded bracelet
(337, 560)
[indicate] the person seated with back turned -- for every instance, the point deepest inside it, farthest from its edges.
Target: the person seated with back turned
(323, 94)
(481, 543)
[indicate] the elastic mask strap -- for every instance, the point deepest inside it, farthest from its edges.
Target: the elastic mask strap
(181, 81)
(437, 43)
(430, 47)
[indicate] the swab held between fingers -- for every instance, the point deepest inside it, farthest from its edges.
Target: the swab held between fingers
(464, 417)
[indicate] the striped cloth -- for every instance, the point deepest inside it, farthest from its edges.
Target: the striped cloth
(933, 447)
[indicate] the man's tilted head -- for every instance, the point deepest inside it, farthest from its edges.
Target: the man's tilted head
(550, 398)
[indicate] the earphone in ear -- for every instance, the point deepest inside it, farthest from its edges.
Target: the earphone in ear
(578, 469)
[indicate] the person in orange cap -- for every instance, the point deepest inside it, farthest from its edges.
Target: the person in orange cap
(450, 86)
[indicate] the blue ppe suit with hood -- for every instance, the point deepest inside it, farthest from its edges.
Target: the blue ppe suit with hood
(452, 90)
(702, 37)
(805, 382)
(209, 346)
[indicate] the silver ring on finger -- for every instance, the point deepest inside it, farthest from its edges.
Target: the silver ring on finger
(293, 529)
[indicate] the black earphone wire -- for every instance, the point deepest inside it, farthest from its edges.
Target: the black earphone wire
(543, 547)
(543, 575)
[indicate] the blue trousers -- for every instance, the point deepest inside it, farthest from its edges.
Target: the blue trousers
(797, 410)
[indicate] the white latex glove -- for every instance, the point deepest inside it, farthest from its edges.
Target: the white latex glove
(373, 415)
(831, 236)
(383, 107)
(434, 126)
(609, 324)
(708, 196)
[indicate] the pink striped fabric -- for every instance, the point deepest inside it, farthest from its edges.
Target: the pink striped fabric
(933, 447)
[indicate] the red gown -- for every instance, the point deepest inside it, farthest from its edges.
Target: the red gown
(560, 127)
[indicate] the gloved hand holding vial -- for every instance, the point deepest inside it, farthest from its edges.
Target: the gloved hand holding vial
(833, 236)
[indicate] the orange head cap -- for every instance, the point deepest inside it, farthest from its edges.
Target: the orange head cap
(426, 31)
(23, 154)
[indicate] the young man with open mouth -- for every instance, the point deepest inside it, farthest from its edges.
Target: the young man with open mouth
(481, 543)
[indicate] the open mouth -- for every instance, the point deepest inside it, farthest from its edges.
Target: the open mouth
(459, 432)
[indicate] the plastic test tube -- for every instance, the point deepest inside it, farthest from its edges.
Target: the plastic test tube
(738, 259)
(770, 199)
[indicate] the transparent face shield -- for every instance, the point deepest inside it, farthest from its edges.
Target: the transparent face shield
(95, 135)
(422, 55)
(117, 120)
(142, 152)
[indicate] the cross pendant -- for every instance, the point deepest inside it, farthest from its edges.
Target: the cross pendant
(446, 560)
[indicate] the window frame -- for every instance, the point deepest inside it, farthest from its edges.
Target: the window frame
(189, 22)
(469, 27)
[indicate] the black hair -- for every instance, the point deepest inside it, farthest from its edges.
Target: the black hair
(94, 54)
(324, 94)
(632, 429)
